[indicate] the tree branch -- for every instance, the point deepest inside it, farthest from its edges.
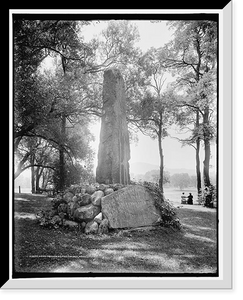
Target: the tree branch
(174, 63)
(19, 171)
(192, 106)
(186, 141)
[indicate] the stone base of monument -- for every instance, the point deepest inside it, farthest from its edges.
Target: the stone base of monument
(96, 209)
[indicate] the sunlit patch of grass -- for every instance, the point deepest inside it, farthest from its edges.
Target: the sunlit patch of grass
(23, 215)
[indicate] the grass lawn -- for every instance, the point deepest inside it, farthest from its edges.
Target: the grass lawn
(161, 250)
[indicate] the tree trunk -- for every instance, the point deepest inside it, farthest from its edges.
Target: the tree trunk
(37, 179)
(38, 174)
(32, 161)
(45, 176)
(61, 169)
(16, 143)
(61, 155)
(206, 134)
(161, 170)
(43, 184)
(206, 163)
(198, 172)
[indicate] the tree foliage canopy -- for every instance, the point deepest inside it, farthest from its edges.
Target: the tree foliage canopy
(53, 108)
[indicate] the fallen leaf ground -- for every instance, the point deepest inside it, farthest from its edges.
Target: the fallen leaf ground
(193, 249)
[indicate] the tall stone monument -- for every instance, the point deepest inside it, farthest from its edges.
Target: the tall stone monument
(114, 147)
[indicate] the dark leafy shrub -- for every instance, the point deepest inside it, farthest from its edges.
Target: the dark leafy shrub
(167, 210)
(209, 196)
(56, 202)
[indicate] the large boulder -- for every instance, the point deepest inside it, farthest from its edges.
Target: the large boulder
(132, 206)
(86, 213)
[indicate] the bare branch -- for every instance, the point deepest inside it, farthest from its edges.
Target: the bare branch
(192, 106)
(185, 141)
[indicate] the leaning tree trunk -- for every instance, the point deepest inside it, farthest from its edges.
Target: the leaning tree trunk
(20, 167)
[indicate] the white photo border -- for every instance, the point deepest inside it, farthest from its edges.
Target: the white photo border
(224, 280)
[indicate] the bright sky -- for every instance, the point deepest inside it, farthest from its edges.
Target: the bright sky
(146, 150)
(151, 34)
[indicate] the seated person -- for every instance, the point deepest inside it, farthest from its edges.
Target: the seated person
(190, 199)
(183, 198)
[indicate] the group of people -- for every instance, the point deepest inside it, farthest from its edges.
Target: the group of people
(207, 195)
(187, 199)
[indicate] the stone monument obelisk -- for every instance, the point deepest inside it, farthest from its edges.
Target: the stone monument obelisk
(114, 147)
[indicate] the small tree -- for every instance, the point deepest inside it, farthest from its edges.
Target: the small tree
(153, 176)
(181, 180)
(193, 55)
(153, 114)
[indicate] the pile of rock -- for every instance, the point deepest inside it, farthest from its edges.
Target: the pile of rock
(95, 209)
(80, 206)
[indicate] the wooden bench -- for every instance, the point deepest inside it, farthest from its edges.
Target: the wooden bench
(184, 200)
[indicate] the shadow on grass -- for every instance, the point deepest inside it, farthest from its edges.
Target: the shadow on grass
(180, 253)
(162, 250)
(30, 203)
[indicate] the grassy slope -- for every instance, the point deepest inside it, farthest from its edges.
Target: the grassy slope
(191, 250)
